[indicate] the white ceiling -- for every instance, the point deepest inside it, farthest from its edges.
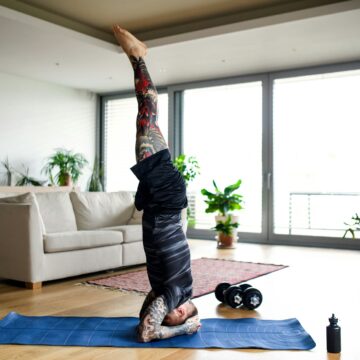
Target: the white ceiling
(41, 50)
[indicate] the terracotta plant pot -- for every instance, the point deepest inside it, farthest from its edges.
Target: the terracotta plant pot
(226, 241)
(67, 180)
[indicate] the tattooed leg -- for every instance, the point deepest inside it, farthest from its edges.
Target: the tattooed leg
(149, 138)
(150, 327)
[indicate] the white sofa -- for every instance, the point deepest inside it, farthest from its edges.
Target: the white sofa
(52, 235)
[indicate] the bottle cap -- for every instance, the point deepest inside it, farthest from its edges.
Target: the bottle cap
(333, 320)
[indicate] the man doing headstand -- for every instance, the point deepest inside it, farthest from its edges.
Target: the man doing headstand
(167, 310)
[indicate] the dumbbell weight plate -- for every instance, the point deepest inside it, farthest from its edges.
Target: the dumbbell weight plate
(233, 297)
(243, 287)
(219, 291)
(252, 298)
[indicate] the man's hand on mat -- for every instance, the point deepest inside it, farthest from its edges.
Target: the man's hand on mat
(192, 324)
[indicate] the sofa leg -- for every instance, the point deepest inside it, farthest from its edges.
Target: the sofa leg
(33, 285)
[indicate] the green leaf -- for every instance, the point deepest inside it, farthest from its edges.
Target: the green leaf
(215, 186)
(229, 189)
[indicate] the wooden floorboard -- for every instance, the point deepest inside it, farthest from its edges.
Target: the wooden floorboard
(316, 283)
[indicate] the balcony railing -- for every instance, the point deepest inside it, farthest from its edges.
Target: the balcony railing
(309, 200)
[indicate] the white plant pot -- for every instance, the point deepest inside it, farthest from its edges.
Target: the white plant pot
(218, 218)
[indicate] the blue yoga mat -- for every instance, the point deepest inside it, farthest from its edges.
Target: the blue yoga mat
(120, 332)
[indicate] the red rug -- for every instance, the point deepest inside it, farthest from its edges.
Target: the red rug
(207, 274)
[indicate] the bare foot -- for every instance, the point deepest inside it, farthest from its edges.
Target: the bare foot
(129, 43)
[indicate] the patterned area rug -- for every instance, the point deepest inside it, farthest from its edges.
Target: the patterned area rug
(207, 274)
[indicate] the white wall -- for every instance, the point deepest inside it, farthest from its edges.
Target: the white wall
(36, 117)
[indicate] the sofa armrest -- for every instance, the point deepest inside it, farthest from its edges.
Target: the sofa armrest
(136, 217)
(21, 243)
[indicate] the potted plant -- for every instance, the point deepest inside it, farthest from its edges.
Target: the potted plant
(353, 227)
(189, 168)
(26, 180)
(8, 169)
(95, 183)
(227, 234)
(224, 202)
(69, 167)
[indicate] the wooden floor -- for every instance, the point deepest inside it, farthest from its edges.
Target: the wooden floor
(317, 283)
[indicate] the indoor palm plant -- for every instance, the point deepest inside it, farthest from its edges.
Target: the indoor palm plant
(189, 168)
(68, 165)
(224, 202)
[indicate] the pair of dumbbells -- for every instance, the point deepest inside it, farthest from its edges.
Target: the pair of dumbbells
(239, 295)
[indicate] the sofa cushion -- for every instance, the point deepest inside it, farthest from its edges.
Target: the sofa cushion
(94, 210)
(136, 217)
(27, 198)
(56, 211)
(4, 194)
(66, 241)
(131, 233)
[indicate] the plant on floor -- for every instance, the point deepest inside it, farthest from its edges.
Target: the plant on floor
(68, 164)
(189, 168)
(95, 183)
(224, 202)
(226, 230)
(9, 171)
(355, 226)
(226, 227)
(26, 180)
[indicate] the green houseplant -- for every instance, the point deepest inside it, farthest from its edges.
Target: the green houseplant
(189, 168)
(355, 226)
(95, 183)
(68, 165)
(26, 180)
(226, 232)
(9, 171)
(223, 203)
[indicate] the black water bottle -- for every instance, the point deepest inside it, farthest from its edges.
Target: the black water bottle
(333, 336)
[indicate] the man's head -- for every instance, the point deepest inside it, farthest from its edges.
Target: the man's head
(180, 314)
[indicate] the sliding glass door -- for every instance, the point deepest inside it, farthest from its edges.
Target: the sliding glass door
(222, 128)
(290, 137)
(316, 127)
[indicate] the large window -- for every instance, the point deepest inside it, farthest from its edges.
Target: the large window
(316, 136)
(291, 137)
(119, 140)
(223, 130)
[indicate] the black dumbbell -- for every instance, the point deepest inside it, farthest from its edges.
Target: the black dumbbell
(239, 295)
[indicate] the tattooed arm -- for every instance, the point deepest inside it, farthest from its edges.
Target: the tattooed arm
(150, 297)
(150, 327)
